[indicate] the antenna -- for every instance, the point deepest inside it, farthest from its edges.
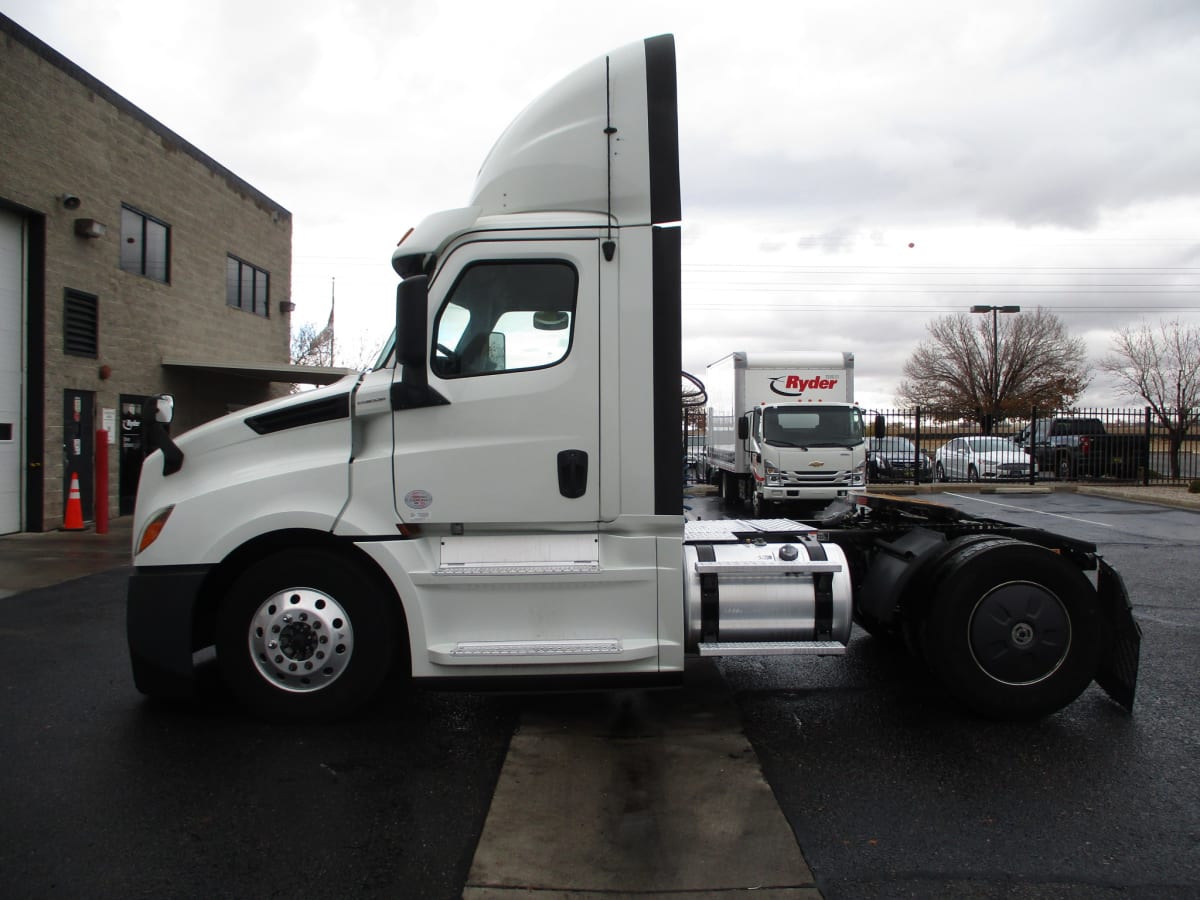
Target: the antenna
(609, 245)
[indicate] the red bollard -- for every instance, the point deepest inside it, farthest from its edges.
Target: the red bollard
(101, 482)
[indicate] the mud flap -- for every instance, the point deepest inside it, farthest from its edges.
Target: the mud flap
(1118, 669)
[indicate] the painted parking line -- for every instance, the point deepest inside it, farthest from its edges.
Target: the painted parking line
(1028, 509)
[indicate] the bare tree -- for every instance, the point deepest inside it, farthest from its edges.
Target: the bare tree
(311, 346)
(1162, 366)
(955, 373)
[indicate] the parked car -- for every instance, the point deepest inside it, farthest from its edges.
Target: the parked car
(896, 459)
(981, 458)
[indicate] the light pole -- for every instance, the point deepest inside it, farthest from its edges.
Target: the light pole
(995, 311)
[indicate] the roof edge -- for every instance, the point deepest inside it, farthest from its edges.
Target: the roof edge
(96, 86)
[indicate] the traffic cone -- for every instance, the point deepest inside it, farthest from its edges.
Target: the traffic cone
(73, 518)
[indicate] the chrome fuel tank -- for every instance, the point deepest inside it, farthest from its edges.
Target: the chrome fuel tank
(766, 592)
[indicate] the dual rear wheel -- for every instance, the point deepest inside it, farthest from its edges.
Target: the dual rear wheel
(1012, 630)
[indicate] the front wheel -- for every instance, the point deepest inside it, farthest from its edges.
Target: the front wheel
(305, 635)
(939, 473)
(1013, 630)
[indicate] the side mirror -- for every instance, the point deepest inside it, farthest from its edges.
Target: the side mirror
(412, 323)
(412, 391)
(496, 351)
(157, 413)
(550, 320)
(164, 412)
(743, 428)
(880, 426)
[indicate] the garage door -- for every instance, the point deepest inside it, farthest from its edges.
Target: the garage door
(12, 281)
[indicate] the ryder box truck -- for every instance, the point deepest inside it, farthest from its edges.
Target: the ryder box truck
(477, 508)
(783, 429)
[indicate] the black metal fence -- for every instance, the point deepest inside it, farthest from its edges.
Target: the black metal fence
(1129, 445)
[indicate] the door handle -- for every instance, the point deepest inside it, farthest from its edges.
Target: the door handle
(572, 473)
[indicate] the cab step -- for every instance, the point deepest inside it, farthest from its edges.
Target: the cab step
(773, 648)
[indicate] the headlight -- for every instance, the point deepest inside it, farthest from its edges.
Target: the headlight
(773, 473)
(859, 476)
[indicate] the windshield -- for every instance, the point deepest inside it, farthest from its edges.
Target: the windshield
(893, 445)
(991, 444)
(384, 360)
(812, 426)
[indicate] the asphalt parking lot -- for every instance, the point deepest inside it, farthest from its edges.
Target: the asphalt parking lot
(882, 787)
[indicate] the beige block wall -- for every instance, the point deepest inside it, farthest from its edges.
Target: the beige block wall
(62, 132)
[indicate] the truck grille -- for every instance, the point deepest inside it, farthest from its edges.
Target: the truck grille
(816, 479)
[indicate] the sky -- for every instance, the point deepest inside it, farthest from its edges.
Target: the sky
(850, 171)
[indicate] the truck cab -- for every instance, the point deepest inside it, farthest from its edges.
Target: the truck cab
(803, 453)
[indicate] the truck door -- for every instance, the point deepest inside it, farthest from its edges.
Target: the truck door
(515, 353)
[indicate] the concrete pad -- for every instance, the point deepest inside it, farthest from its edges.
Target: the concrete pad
(635, 793)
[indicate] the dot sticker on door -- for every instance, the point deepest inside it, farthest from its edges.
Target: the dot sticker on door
(418, 499)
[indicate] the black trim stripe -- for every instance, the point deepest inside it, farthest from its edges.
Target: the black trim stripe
(662, 111)
(668, 363)
(35, 373)
(327, 409)
(822, 593)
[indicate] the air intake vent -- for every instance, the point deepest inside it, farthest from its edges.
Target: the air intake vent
(81, 324)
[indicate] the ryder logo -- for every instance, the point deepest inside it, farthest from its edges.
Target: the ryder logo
(795, 385)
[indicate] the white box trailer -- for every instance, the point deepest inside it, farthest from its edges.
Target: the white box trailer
(477, 508)
(783, 428)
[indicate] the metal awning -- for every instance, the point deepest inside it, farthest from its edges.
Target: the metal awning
(286, 374)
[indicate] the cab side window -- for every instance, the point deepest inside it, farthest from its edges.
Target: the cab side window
(505, 316)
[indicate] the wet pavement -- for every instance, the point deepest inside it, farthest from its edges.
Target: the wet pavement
(32, 560)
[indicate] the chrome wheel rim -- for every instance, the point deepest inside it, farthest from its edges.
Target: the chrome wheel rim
(301, 640)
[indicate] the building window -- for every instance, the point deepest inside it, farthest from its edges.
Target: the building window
(145, 245)
(247, 287)
(81, 324)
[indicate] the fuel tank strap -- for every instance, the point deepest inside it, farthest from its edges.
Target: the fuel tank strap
(822, 591)
(710, 597)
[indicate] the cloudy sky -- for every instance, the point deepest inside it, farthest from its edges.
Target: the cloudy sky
(1030, 152)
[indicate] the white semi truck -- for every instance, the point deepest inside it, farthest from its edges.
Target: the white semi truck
(499, 500)
(783, 429)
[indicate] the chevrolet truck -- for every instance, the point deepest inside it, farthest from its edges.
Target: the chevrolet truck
(783, 429)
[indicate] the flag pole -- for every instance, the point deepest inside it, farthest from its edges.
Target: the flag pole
(332, 300)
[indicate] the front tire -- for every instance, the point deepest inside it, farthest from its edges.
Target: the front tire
(305, 634)
(939, 473)
(1013, 630)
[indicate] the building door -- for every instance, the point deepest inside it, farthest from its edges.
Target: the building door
(12, 376)
(131, 450)
(79, 438)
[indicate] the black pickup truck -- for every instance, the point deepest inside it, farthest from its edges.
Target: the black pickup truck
(1080, 447)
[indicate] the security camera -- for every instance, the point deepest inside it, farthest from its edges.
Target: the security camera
(70, 201)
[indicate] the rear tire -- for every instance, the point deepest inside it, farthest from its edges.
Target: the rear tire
(1013, 630)
(305, 634)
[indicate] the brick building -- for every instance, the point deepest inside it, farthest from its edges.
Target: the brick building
(131, 264)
